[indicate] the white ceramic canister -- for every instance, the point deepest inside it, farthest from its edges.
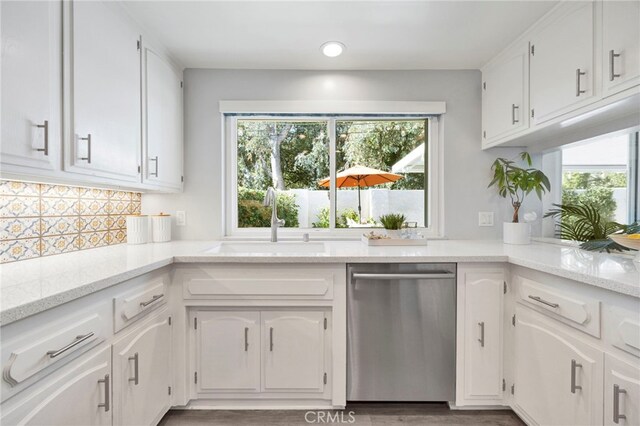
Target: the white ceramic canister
(161, 225)
(137, 229)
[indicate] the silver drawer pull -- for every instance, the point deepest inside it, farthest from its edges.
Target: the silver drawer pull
(481, 339)
(612, 74)
(156, 161)
(88, 157)
(150, 301)
(134, 358)
(574, 366)
(246, 339)
(544, 302)
(79, 339)
(107, 400)
(616, 404)
(401, 276)
(271, 339)
(579, 90)
(44, 126)
(514, 119)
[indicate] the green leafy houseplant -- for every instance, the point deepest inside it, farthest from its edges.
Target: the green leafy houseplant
(584, 223)
(392, 221)
(517, 182)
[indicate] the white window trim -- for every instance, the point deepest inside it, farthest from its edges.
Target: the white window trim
(433, 230)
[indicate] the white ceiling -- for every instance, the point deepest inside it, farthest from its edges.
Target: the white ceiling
(381, 35)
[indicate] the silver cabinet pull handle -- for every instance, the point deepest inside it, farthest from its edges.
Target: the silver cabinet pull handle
(44, 126)
(574, 366)
(150, 301)
(79, 339)
(612, 57)
(107, 399)
(156, 161)
(579, 73)
(616, 404)
(246, 339)
(481, 339)
(134, 358)
(514, 120)
(88, 157)
(544, 302)
(401, 276)
(271, 339)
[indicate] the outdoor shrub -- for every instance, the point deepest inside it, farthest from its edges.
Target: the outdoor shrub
(252, 214)
(341, 218)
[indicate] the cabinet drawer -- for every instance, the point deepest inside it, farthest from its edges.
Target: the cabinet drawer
(135, 303)
(259, 282)
(578, 311)
(623, 329)
(38, 349)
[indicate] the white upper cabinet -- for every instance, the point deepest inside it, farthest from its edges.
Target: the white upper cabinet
(505, 102)
(31, 82)
(163, 122)
(558, 378)
(621, 45)
(104, 134)
(562, 62)
(294, 351)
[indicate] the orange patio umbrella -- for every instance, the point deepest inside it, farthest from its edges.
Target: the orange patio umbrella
(361, 177)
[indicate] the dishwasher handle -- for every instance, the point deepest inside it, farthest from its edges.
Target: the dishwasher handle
(435, 275)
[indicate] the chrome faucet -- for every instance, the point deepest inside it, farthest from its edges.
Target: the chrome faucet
(270, 199)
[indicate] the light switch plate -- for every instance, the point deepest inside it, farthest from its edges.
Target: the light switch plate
(181, 218)
(485, 218)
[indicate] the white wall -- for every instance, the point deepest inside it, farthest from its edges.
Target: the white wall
(466, 167)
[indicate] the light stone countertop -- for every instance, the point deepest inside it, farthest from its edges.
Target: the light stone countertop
(35, 285)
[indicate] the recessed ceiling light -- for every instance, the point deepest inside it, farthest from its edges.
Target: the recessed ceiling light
(332, 48)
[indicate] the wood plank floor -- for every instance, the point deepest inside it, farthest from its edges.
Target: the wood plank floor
(365, 414)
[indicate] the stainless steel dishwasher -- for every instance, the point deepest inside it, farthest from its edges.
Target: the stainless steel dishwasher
(401, 329)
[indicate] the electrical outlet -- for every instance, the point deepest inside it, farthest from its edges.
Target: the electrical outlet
(181, 218)
(485, 218)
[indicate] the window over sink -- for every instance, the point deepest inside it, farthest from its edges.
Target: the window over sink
(334, 174)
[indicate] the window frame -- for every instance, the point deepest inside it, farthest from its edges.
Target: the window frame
(433, 180)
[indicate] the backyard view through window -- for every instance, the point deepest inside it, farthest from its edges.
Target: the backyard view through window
(379, 169)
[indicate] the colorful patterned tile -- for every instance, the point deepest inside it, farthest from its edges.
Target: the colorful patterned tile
(121, 207)
(59, 225)
(16, 227)
(59, 191)
(92, 239)
(117, 222)
(119, 236)
(94, 194)
(120, 195)
(92, 207)
(94, 223)
(14, 206)
(59, 244)
(25, 189)
(14, 250)
(60, 206)
(136, 196)
(136, 208)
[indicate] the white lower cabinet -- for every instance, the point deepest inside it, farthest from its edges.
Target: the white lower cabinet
(621, 392)
(78, 394)
(558, 378)
(232, 339)
(142, 372)
(258, 352)
(294, 351)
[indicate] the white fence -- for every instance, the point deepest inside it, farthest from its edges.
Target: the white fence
(375, 203)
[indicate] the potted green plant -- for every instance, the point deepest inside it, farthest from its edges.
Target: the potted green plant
(516, 183)
(393, 223)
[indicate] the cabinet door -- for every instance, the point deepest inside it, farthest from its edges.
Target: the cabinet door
(31, 83)
(77, 395)
(621, 392)
(228, 351)
(621, 45)
(142, 373)
(483, 335)
(293, 351)
(558, 379)
(105, 137)
(163, 122)
(562, 63)
(504, 97)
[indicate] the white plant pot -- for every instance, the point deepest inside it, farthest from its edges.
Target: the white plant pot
(396, 234)
(516, 233)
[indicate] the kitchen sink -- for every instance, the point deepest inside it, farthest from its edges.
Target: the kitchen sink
(253, 247)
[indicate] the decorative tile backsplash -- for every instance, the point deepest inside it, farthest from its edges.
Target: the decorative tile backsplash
(41, 220)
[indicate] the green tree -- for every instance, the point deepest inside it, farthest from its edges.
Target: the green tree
(593, 189)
